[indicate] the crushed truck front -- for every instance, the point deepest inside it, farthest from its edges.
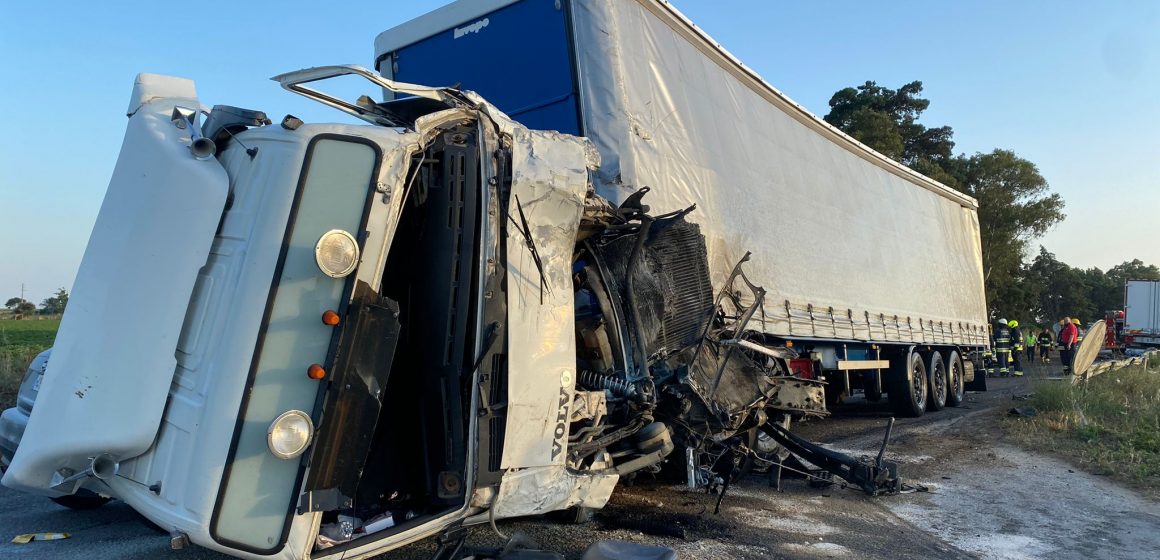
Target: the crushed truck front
(341, 344)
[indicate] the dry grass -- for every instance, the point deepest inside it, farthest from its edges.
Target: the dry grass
(1109, 425)
(20, 341)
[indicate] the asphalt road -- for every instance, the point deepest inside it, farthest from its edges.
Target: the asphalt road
(986, 499)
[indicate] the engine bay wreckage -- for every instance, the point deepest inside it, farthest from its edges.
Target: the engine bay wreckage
(605, 348)
(510, 343)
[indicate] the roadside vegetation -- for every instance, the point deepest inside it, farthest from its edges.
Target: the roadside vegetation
(20, 341)
(1110, 425)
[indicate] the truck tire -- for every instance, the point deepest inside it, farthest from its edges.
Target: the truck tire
(956, 391)
(908, 387)
(936, 373)
(834, 390)
(870, 386)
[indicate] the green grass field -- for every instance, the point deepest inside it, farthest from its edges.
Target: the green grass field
(20, 341)
(1109, 425)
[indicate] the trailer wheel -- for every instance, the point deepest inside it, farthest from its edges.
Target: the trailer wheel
(908, 388)
(870, 387)
(834, 392)
(955, 388)
(937, 377)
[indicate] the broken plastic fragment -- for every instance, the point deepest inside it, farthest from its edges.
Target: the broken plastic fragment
(29, 537)
(376, 524)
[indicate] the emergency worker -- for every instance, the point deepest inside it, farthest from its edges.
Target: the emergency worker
(1017, 353)
(1002, 348)
(1029, 342)
(1046, 341)
(1067, 341)
(1079, 331)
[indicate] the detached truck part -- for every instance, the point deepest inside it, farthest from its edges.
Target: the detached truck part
(873, 272)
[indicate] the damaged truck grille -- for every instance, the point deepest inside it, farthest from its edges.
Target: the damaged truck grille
(680, 248)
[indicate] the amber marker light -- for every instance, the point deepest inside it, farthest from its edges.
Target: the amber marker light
(315, 372)
(329, 317)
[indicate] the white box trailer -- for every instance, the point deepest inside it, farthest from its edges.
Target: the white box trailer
(851, 246)
(1142, 312)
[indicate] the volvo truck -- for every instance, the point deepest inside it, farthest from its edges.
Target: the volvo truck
(347, 338)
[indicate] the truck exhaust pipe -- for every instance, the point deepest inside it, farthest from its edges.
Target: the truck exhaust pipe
(200, 147)
(101, 467)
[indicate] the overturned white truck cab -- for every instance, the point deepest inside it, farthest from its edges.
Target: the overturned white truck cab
(349, 338)
(353, 337)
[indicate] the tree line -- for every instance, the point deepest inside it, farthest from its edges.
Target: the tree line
(52, 305)
(1016, 205)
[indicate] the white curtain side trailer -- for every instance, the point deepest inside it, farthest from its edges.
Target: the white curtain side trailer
(848, 244)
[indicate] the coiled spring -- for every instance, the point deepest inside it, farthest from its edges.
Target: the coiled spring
(596, 381)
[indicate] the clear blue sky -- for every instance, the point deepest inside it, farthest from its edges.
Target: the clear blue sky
(1072, 86)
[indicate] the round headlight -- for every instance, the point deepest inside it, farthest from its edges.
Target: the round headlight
(290, 434)
(336, 253)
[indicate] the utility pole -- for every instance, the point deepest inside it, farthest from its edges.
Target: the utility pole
(22, 291)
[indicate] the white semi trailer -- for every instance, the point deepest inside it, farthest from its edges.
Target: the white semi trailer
(350, 338)
(863, 260)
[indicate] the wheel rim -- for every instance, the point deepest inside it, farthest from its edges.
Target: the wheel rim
(918, 384)
(955, 375)
(940, 382)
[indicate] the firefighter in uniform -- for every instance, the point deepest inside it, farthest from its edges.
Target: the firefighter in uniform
(1002, 348)
(1017, 354)
(1045, 343)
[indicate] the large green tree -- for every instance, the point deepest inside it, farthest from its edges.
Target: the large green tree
(1015, 205)
(887, 120)
(1061, 291)
(56, 303)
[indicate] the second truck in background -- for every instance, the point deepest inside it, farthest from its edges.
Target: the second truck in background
(1142, 313)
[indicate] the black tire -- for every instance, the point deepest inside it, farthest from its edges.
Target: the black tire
(956, 390)
(82, 500)
(908, 387)
(870, 386)
(835, 390)
(936, 375)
